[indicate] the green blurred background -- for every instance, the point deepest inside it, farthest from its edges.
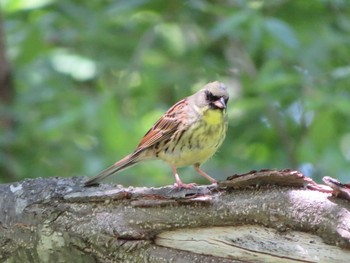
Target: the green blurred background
(91, 77)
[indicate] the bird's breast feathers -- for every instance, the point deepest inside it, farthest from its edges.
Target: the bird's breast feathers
(200, 141)
(213, 117)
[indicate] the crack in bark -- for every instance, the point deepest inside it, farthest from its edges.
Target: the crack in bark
(260, 252)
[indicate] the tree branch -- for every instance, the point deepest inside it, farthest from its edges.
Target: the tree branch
(58, 219)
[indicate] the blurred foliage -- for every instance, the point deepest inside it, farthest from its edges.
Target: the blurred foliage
(91, 77)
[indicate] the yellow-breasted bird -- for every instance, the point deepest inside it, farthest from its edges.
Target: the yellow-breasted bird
(189, 133)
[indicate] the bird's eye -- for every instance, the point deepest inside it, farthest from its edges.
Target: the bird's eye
(210, 96)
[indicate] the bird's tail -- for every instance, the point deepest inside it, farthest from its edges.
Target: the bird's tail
(124, 163)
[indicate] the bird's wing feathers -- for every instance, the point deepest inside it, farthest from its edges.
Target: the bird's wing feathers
(165, 127)
(162, 130)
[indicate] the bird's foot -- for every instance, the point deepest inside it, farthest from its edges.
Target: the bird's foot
(184, 186)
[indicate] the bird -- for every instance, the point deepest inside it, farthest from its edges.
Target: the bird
(189, 133)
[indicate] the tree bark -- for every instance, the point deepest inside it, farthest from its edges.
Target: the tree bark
(58, 220)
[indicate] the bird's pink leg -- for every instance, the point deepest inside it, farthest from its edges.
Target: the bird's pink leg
(179, 183)
(204, 174)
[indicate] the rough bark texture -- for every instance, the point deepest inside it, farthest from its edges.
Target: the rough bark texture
(58, 220)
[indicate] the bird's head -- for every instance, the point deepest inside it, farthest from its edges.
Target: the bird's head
(213, 95)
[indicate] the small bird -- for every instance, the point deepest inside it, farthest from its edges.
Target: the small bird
(189, 133)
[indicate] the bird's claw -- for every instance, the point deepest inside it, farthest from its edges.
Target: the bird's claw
(185, 186)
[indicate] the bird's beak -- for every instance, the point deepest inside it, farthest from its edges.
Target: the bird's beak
(220, 103)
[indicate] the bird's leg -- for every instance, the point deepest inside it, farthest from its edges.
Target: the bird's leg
(204, 174)
(179, 183)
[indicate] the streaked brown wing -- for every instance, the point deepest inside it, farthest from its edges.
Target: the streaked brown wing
(165, 127)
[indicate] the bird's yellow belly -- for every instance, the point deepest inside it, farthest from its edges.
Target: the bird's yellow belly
(199, 143)
(189, 157)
